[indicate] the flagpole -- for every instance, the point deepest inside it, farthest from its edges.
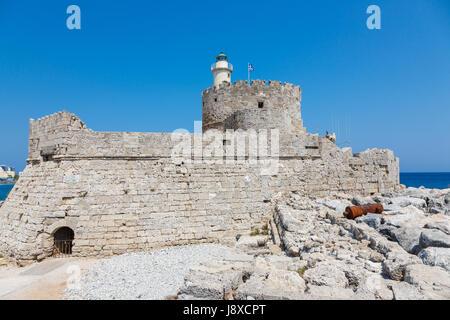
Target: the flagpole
(248, 70)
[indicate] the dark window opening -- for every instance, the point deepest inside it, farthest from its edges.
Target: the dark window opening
(215, 99)
(260, 104)
(47, 158)
(63, 239)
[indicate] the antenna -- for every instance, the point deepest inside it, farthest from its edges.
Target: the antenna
(346, 141)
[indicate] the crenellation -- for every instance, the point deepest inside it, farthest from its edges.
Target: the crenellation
(240, 83)
(273, 83)
(259, 83)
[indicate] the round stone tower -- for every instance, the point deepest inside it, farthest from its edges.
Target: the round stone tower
(259, 105)
(222, 69)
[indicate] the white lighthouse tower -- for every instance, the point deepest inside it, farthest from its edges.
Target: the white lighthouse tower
(221, 69)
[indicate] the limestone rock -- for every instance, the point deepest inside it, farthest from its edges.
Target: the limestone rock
(405, 217)
(437, 205)
(407, 201)
(278, 284)
(214, 280)
(391, 208)
(375, 267)
(408, 238)
(338, 205)
(378, 286)
(313, 258)
(362, 293)
(434, 238)
(443, 226)
(376, 257)
(433, 256)
(371, 219)
(388, 231)
(283, 262)
(396, 262)
(326, 273)
(405, 291)
(246, 241)
(434, 282)
(359, 200)
(332, 293)
(383, 200)
(436, 199)
(355, 274)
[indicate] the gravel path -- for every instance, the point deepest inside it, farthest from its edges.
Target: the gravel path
(144, 275)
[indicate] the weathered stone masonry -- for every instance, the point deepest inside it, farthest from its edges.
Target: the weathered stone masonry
(122, 191)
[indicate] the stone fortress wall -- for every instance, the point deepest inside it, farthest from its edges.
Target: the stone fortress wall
(123, 191)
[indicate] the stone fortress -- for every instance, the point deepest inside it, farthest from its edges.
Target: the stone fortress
(116, 192)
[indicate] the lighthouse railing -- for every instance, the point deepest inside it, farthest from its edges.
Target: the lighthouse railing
(214, 66)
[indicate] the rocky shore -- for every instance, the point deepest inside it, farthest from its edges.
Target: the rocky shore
(309, 250)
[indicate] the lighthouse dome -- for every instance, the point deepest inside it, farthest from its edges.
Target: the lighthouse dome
(222, 57)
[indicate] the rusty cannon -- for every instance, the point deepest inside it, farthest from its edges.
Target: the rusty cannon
(358, 211)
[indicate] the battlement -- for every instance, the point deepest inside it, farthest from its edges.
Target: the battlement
(254, 84)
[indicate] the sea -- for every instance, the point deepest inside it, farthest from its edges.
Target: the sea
(432, 180)
(4, 189)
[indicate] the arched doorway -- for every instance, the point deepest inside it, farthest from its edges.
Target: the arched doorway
(63, 238)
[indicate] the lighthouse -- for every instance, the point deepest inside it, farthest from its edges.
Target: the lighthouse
(222, 69)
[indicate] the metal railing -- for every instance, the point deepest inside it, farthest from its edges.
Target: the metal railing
(62, 248)
(230, 66)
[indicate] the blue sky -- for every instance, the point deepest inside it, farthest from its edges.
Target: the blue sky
(142, 65)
